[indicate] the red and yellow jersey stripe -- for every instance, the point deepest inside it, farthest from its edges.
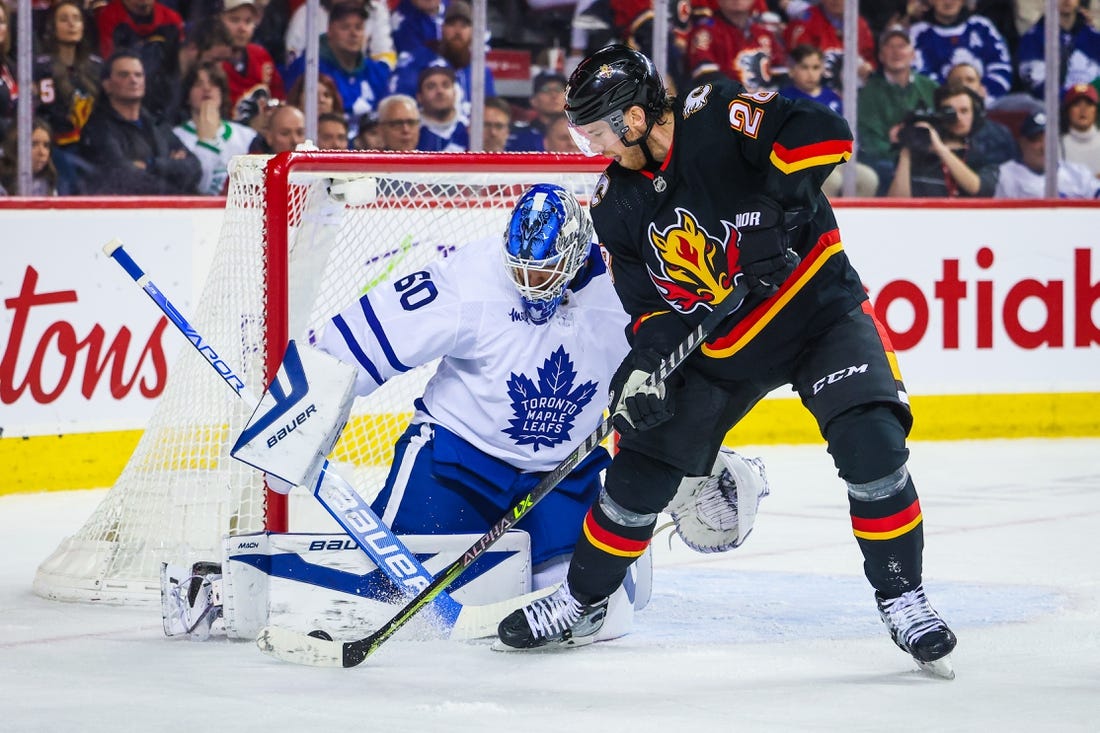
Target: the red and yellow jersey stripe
(746, 330)
(827, 152)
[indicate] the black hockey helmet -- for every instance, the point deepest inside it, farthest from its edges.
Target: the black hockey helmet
(611, 81)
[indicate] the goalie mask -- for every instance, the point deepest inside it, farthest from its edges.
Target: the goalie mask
(545, 246)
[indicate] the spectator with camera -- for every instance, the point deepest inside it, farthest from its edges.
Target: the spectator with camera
(1026, 178)
(942, 152)
(889, 96)
(996, 140)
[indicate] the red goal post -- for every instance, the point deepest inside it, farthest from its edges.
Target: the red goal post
(303, 235)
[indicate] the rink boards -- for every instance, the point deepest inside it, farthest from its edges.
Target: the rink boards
(992, 310)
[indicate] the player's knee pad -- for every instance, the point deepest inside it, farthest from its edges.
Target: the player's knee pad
(639, 484)
(867, 443)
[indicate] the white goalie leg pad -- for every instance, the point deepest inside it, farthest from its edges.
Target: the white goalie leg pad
(305, 581)
(190, 599)
(716, 513)
(300, 416)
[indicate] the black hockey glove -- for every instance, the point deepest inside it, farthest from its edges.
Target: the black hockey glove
(765, 257)
(635, 405)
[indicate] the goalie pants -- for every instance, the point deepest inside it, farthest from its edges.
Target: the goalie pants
(440, 484)
(848, 380)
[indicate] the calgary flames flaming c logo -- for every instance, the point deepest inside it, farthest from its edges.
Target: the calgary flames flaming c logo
(695, 268)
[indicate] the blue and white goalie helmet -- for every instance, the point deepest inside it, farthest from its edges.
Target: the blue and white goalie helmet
(545, 245)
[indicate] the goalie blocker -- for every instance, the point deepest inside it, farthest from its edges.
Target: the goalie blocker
(299, 418)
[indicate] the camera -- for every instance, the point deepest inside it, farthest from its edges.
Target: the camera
(917, 138)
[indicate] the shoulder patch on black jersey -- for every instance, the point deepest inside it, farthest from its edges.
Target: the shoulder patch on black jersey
(600, 190)
(696, 99)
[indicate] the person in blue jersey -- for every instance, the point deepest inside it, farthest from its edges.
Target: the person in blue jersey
(807, 72)
(528, 331)
(705, 194)
(361, 80)
(453, 48)
(950, 34)
(1079, 62)
(442, 128)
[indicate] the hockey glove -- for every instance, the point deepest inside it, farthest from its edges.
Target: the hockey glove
(636, 405)
(765, 257)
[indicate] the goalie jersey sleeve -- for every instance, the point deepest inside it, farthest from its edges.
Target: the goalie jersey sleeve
(521, 392)
(670, 234)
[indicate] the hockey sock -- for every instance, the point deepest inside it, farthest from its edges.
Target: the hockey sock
(606, 548)
(890, 533)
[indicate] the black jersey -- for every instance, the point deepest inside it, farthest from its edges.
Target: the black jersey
(670, 235)
(66, 103)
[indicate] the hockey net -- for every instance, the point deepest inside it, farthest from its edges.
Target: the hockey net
(303, 236)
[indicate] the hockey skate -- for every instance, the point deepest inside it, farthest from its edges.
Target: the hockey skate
(918, 630)
(558, 620)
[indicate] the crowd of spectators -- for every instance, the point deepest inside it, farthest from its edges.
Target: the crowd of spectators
(156, 96)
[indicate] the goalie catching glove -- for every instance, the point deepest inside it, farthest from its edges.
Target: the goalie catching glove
(716, 513)
(765, 256)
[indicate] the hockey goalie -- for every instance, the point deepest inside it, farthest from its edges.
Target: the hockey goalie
(528, 331)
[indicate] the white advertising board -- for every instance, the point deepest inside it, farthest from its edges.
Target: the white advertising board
(979, 300)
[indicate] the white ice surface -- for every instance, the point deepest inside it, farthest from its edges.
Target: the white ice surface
(780, 635)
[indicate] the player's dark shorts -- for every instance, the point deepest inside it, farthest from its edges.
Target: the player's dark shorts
(847, 365)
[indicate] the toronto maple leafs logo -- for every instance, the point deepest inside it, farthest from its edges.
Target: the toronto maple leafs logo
(545, 413)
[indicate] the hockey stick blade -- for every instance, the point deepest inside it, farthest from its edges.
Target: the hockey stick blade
(353, 653)
(474, 622)
(330, 489)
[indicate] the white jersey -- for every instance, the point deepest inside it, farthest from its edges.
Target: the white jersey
(521, 392)
(1017, 181)
(214, 155)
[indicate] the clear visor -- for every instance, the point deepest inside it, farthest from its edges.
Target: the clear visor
(594, 138)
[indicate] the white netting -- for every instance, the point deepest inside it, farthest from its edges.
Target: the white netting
(358, 221)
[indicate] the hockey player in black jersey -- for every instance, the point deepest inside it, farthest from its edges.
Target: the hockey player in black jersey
(704, 191)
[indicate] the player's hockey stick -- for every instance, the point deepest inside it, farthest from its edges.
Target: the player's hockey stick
(293, 646)
(339, 497)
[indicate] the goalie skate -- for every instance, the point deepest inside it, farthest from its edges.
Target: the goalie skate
(190, 600)
(918, 630)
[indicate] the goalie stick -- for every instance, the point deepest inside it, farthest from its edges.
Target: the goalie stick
(340, 498)
(292, 646)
